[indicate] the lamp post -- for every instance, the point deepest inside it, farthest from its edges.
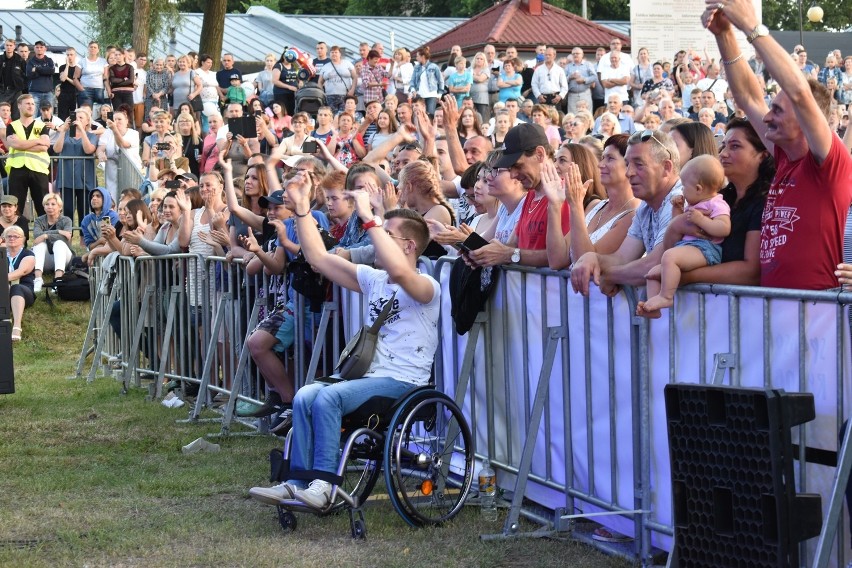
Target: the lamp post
(815, 14)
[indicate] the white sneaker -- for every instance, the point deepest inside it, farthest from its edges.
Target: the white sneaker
(37, 284)
(275, 494)
(317, 495)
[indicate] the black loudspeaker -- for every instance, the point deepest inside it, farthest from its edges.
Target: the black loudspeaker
(5, 309)
(733, 488)
(7, 369)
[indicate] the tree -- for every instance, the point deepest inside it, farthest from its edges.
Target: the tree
(784, 15)
(213, 29)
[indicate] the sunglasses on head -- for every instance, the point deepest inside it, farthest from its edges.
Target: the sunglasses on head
(646, 135)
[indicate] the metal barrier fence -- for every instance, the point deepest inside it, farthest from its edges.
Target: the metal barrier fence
(128, 174)
(564, 394)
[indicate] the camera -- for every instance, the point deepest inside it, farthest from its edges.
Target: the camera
(310, 147)
(173, 184)
(162, 146)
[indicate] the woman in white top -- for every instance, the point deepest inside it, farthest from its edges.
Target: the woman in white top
(117, 137)
(209, 90)
(605, 223)
(640, 73)
(402, 71)
(292, 145)
(92, 76)
(263, 83)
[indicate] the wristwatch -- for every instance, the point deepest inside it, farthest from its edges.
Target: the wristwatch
(374, 222)
(759, 31)
(516, 256)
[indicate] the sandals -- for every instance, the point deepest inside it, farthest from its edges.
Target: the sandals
(16, 333)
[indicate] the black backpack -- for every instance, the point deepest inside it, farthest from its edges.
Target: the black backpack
(73, 286)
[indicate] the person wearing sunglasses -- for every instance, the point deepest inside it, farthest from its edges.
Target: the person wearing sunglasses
(653, 170)
(801, 240)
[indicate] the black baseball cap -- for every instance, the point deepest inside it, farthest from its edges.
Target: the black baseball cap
(520, 139)
(189, 176)
(276, 197)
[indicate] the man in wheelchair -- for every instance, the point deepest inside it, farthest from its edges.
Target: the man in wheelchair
(406, 344)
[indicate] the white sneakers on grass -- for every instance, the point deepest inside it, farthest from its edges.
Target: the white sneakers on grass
(38, 283)
(317, 495)
(275, 494)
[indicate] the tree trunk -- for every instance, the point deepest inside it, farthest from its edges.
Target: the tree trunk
(141, 25)
(213, 30)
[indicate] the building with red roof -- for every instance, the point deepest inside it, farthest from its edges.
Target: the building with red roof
(525, 24)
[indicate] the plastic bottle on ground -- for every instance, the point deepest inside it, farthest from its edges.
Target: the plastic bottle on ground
(488, 492)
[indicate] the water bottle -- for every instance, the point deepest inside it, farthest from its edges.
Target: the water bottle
(488, 492)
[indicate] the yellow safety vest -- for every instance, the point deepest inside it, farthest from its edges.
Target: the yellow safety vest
(34, 161)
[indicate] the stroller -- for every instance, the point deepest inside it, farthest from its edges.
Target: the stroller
(310, 98)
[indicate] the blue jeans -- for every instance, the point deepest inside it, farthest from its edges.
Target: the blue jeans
(431, 105)
(91, 96)
(38, 97)
(318, 411)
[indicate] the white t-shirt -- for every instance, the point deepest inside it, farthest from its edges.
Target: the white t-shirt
(139, 92)
(107, 140)
(92, 73)
(620, 90)
(337, 77)
(408, 339)
(506, 222)
(719, 86)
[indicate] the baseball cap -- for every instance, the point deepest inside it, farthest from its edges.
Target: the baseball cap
(235, 76)
(45, 104)
(276, 197)
(8, 200)
(292, 161)
(518, 140)
(189, 176)
(40, 42)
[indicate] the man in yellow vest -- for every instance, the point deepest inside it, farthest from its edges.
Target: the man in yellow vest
(28, 163)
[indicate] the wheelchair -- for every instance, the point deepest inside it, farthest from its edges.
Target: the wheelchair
(422, 443)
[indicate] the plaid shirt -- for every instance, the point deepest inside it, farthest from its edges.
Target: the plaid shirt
(369, 75)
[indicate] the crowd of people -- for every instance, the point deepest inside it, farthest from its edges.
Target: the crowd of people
(644, 172)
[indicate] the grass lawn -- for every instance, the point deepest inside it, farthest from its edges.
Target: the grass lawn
(91, 477)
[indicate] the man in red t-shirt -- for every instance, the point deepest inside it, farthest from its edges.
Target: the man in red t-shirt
(529, 158)
(801, 239)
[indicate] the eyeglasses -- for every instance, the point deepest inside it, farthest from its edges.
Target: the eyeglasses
(469, 196)
(646, 135)
(12, 237)
(490, 173)
(409, 146)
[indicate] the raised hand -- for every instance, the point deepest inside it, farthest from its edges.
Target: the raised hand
(577, 189)
(551, 183)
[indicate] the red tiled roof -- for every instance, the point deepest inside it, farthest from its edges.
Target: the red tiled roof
(509, 22)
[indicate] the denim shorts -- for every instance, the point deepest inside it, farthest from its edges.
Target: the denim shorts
(282, 325)
(711, 251)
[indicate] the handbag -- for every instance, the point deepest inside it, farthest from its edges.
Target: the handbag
(196, 104)
(357, 356)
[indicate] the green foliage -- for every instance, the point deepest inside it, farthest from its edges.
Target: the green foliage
(115, 24)
(234, 6)
(784, 15)
(58, 4)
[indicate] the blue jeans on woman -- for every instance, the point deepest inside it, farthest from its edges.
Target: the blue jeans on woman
(90, 96)
(318, 411)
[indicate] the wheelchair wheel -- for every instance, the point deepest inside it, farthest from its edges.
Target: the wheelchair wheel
(362, 471)
(428, 459)
(287, 519)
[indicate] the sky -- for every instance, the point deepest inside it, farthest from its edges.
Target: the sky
(15, 4)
